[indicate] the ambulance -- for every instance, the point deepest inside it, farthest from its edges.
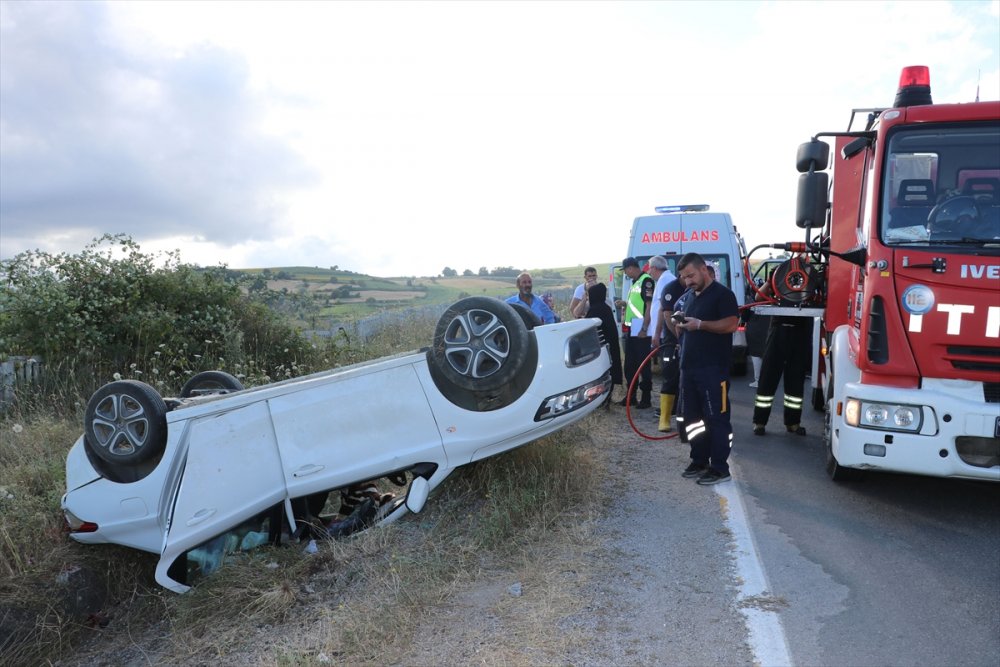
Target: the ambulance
(677, 230)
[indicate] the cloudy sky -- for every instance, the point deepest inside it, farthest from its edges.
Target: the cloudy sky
(397, 138)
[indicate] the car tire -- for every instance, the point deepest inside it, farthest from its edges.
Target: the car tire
(480, 344)
(125, 423)
(208, 383)
(818, 400)
(527, 316)
(837, 472)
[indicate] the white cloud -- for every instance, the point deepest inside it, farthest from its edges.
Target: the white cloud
(400, 137)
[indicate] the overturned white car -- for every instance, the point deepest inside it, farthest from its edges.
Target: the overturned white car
(222, 469)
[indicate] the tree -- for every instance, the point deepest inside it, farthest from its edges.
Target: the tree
(483, 271)
(467, 273)
(449, 272)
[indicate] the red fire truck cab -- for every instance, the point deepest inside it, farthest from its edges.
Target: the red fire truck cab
(911, 241)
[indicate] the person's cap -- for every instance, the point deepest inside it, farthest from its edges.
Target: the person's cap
(630, 261)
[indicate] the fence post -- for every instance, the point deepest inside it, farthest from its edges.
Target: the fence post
(15, 371)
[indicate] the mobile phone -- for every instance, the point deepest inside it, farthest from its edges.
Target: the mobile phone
(679, 317)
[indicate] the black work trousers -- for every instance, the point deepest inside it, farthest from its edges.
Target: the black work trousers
(786, 354)
(636, 350)
(671, 364)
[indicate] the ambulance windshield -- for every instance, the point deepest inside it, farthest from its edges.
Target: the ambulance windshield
(942, 186)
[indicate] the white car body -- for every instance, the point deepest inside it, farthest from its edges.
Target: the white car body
(230, 457)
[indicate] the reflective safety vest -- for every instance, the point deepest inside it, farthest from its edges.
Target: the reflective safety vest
(636, 306)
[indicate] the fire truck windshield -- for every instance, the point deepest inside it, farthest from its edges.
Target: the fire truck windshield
(942, 185)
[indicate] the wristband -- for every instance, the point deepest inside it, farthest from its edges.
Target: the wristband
(699, 325)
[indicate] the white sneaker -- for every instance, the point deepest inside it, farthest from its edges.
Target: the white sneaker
(753, 384)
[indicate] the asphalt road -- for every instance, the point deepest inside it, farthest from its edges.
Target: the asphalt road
(891, 570)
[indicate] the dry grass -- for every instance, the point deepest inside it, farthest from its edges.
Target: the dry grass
(371, 599)
(521, 517)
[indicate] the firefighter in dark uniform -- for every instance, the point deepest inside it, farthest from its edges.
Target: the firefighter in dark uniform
(707, 323)
(786, 354)
(671, 352)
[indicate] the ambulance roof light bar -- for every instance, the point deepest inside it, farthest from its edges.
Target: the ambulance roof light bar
(914, 87)
(683, 208)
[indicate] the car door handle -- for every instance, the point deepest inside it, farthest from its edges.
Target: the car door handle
(307, 470)
(200, 516)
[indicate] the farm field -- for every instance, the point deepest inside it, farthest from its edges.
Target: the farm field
(320, 298)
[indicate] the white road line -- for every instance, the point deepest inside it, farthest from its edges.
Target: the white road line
(756, 603)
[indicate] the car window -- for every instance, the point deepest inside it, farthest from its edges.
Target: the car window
(207, 557)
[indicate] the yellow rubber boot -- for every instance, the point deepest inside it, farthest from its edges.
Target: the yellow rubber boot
(666, 408)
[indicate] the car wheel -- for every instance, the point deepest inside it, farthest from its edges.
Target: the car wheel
(208, 383)
(528, 317)
(480, 344)
(125, 423)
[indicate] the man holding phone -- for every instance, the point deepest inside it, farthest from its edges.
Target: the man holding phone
(581, 296)
(709, 318)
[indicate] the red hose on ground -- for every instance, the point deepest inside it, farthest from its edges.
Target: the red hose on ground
(628, 404)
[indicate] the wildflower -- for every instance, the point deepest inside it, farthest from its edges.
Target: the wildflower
(156, 371)
(162, 345)
(117, 376)
(132, 366)
(18, 428)
(157, 353)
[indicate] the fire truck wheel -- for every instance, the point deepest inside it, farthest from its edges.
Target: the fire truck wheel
(818, 400)
(480, 345)
(210, 383)
(125, 423)
(837, 472)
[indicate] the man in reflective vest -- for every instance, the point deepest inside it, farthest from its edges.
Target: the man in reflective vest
(638, 313)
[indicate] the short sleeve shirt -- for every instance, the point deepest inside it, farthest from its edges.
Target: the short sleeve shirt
(703, 349)
(668, 303)
(537, 306)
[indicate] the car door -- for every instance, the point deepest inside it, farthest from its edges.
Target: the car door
(351, 428)
(232, 472)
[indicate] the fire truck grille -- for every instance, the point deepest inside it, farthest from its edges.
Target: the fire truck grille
(968, 358)
(992, 391)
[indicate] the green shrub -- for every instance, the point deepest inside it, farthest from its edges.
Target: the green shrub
(112, 309)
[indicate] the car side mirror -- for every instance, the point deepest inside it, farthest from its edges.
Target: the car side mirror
(417, 495)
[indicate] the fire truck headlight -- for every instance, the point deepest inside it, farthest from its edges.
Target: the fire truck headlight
(876, 415)
(883, 416)
(852, 411)
(904, 417)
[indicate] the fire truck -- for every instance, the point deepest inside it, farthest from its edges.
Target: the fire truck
(902, 262)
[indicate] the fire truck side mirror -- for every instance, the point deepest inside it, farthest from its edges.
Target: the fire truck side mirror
(813, 155)
(811, 204)
(855, 147)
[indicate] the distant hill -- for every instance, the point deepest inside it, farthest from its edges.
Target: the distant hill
(317, 297)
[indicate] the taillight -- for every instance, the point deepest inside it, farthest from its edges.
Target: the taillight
(77, 525)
